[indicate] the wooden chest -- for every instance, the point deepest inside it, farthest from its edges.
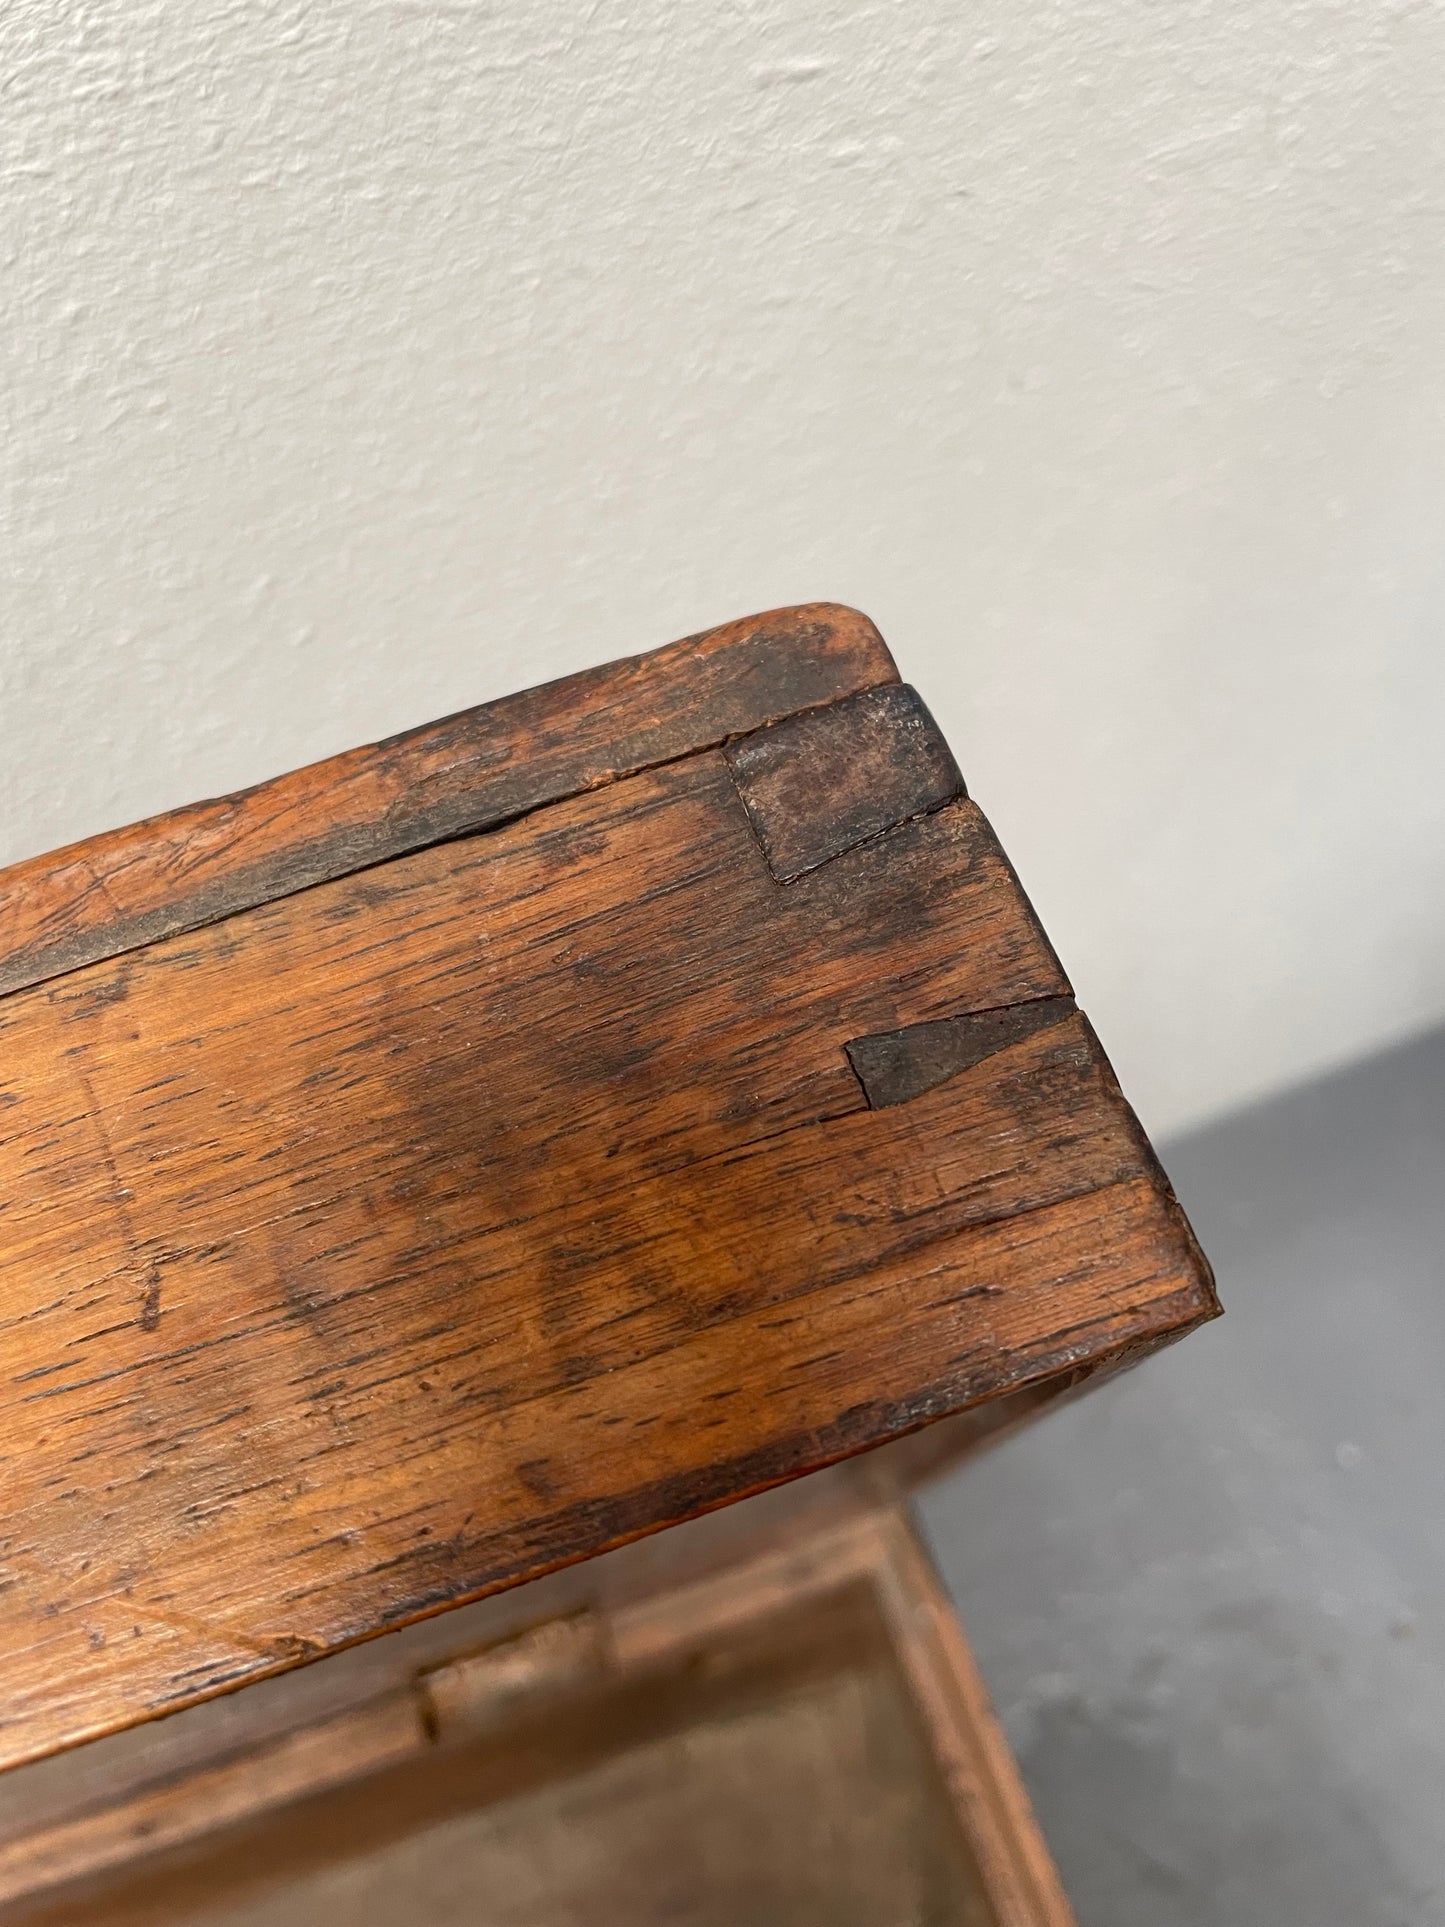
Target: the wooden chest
(467, 1155)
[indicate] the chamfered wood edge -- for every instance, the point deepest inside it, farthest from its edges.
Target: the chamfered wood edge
(465, 773)
(681, 1497)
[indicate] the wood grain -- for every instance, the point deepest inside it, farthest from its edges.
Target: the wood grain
(400, 1238)
(465, 773)
(988, 1792)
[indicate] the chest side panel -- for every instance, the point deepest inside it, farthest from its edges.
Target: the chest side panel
(433, 1226)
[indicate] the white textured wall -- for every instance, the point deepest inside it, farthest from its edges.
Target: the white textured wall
(367, 360)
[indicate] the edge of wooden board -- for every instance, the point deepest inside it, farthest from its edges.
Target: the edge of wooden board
(1098, 1280)
(464, 773)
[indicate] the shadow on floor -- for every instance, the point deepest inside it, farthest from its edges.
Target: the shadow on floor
(1210, 1598)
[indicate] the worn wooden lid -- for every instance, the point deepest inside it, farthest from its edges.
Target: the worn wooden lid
(465, 1154)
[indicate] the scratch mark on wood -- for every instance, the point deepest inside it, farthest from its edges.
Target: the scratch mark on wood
(150, 1310)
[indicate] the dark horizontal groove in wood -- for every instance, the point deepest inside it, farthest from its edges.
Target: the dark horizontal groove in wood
(473, 771)
(895, 1066)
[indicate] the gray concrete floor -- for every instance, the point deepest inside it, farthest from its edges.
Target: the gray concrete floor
(1210, 1598)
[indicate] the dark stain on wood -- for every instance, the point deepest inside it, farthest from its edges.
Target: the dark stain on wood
(823, 782)
(894, 1066)
(466, 773)
(150, 1304)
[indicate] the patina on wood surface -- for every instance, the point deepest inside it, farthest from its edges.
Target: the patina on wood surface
(466, 773)
(402, 1236)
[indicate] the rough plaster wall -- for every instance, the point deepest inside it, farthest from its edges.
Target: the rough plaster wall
(367, 360)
